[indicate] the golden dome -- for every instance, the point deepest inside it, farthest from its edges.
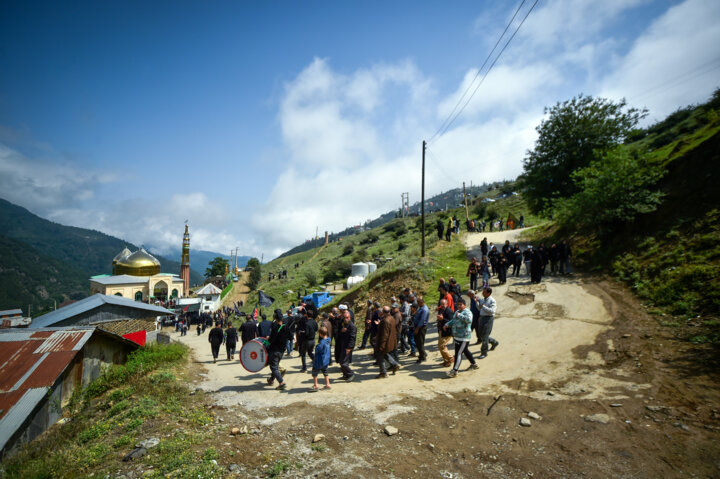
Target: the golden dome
(122, 254)
(139, 263)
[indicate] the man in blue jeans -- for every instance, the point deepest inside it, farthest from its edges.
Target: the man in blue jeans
(488, 306)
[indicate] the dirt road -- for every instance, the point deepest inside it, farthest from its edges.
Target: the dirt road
(538, 327)
(580, 352)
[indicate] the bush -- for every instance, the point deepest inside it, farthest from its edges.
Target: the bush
(311, 277)
(370, 238)
(348, 249)
(613, 190)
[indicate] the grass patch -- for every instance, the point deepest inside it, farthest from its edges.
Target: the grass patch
(113, 417)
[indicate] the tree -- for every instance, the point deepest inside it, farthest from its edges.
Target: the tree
(216, 267)
(575, 133)
(612, 190)
(255, 273)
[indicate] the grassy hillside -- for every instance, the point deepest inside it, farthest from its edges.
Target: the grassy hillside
(671, 256)
(394, 247)
(88, 250)
(28, 277)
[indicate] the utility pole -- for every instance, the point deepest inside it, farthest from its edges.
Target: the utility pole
(467, 216)
(422, 201)
(404, 204)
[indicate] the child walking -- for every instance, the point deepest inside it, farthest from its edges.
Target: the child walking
(322, 359)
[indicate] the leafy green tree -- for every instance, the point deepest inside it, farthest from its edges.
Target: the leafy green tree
(492, 214)
(612, 190)
(575, 133)
(255, 273)
(216, 267)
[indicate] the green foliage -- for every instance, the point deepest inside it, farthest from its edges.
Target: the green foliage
(311, 277)
(575, 133)
(278, 468)
(480, 209)
(217, 267)
(348, 249)
(612, 190)
(140, 362)
(370, 238)
(30, 277)
(255, 273)
(679, 273)
(492, 214)
(226, 290)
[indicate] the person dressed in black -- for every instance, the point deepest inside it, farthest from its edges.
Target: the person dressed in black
(279, 336)
(502, 267)
(336, 321)
(517, 259)
(306, 328)
(265, 326)
(536, 266)
(231, 339)
(484, 247)
(216, 337)
(248, 330)
(347, 336)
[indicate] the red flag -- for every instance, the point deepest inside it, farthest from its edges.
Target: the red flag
(255, 313)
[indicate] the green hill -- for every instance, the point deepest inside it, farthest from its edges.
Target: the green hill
(670, 256)
(32, 278)
(394, 247)
(76, 253)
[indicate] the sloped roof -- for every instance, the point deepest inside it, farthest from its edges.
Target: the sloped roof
(90, 303)
(209, 289)
(11, 312)
(31, 360)
(120, 279)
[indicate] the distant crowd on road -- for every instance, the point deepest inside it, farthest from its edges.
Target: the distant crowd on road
(477, 225)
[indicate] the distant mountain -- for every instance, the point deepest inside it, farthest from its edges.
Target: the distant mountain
(199, 259)
(81, 249)
(28, 277)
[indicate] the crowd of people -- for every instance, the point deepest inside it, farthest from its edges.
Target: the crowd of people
(393, 331)
(497, 263)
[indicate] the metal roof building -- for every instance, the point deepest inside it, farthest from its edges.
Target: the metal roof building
(40, 369)
(97, 309)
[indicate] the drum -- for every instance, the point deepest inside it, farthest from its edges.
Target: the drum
(253, 355)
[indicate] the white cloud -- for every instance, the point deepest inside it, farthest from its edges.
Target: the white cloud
(39, 184)
(674, 63)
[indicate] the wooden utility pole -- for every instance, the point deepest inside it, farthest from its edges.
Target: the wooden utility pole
(467, 215)
(422, 201)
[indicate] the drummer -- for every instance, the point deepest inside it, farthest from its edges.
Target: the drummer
(279, 335)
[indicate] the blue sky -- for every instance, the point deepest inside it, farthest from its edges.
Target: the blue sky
(258, 121)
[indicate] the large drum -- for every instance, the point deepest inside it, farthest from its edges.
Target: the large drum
(253, 355)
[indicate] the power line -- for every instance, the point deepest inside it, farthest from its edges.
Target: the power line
(478, 72)
(680, 79)
(443, 130)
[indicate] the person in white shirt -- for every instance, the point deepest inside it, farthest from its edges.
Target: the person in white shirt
(488, 306)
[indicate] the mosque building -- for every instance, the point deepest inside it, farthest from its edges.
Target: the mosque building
(136, 275)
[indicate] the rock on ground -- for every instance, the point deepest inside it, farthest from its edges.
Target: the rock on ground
(599, 418)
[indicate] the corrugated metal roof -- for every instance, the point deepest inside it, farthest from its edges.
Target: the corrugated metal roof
(14, 414)
(91, 303)
(11, 312)
(31, 361)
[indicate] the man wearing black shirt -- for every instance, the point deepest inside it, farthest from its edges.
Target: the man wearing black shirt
(216, 337)
(307, 327)
(279, 335)
(231, 338)
(248, 330)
